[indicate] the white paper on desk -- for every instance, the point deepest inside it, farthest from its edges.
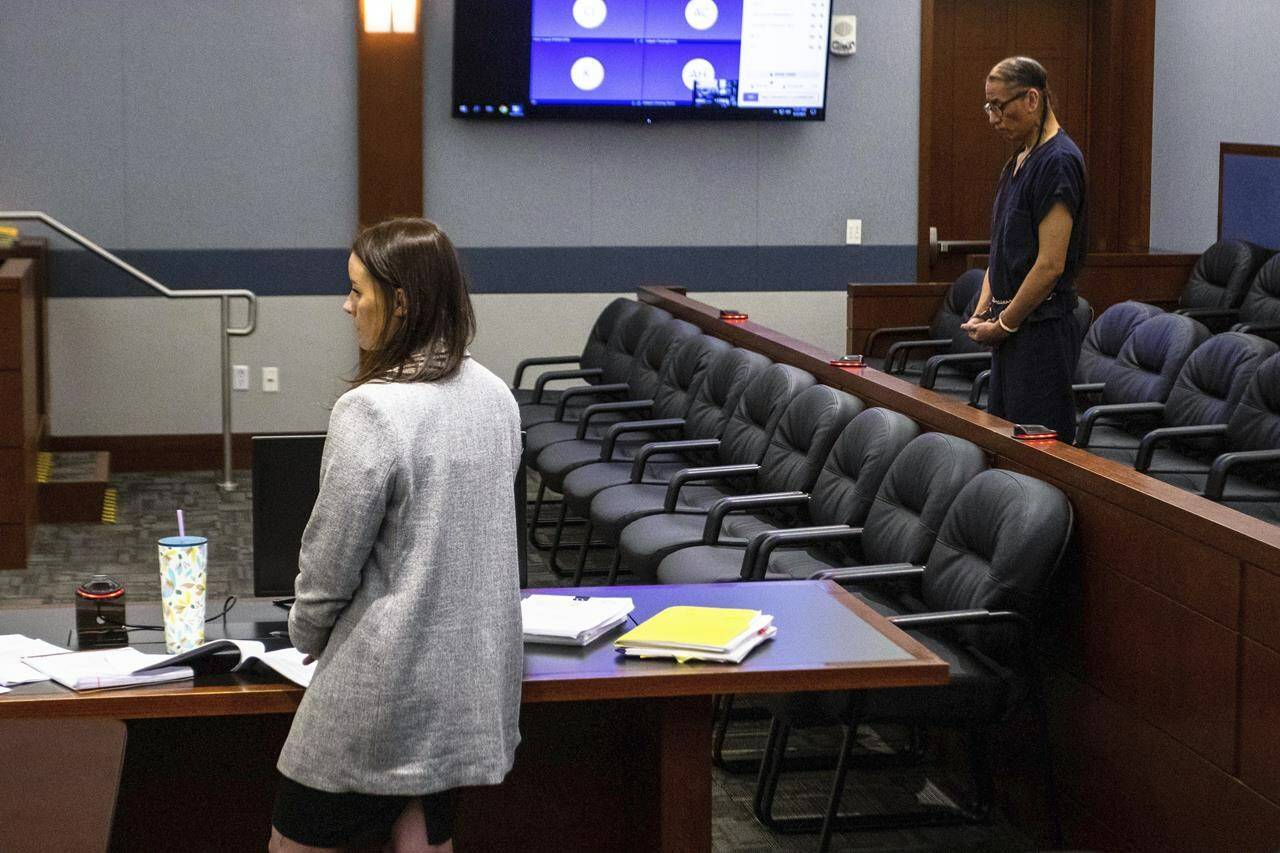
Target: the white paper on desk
(106, 668)
(13, 647)
(286, 661)
(571, 619)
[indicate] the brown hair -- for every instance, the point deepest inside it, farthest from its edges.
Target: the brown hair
(414, 258)
(1026, 72)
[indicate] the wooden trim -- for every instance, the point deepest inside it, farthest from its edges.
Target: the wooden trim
(389, 104)
(197, 452)
(1246, 148)
(925, 163)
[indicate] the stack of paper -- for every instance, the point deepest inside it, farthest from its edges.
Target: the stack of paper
(14, 647)
(685, 633)
(571, 620)
(107, 668)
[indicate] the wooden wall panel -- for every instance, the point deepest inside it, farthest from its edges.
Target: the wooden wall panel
(10, 415)
(389, 103)
(1260, 719)
(1261, 607)
(10, 329)
(1140, 782)
(878, 306)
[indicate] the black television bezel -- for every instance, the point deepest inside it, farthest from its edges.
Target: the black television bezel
(638, 114)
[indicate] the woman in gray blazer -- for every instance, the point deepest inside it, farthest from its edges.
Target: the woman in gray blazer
(408, 595)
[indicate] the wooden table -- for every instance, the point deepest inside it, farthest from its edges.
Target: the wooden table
(615, 752)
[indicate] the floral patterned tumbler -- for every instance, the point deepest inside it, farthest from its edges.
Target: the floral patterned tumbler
(183, 561)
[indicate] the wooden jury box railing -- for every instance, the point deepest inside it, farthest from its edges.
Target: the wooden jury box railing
(1105, 280)
(1164, 673)
(21, 422)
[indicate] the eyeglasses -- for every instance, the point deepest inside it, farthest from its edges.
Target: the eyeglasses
(996, 108)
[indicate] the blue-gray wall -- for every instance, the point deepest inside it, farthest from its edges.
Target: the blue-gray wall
(1217, 66)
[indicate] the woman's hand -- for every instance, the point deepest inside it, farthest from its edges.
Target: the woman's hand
(985, 332)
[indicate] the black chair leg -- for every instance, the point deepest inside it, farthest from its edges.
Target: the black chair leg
(613, 569)
(847, 744)
(770, 770)
(555, 542)
(583, 550)
(537, 512)
(724, 710)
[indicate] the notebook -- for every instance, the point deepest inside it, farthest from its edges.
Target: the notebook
(571, 620)
(243, 654)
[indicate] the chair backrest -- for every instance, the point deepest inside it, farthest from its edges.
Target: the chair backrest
(746, 436)
(626, 341)
(1262, 301)
(956, 306)
(594, 354)
(1222, 275)
(913, 498)
(660, 341)
(1255, 423)
(1084, 315)
(809, 427)
(715, 399)
(686, 367)
(854, 470)
(999, 546)
(1150, 359)
(1215, 377)
(1106, 336)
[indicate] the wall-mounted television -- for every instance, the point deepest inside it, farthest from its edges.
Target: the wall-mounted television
(517, 60)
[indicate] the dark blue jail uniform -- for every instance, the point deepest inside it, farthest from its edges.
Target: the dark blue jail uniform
(1031, 371)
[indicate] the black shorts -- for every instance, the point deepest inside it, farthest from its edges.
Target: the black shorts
(321, 819)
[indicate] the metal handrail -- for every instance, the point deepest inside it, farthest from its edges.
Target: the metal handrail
(224, 295)
(945, 247)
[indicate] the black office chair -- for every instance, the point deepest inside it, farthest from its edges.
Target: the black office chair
(1246, 472)
(634, 394)
(590, 364)
(1206, 392)
(787, 472)
(956, 307)
(744, 442)
(1260, 310)
(974, 603)
(1144, 372)
(685, 365)
(620, 350)
(843, 495)
(1219, 281)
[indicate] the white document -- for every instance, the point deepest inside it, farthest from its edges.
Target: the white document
(14, 647)
(735, 655)
(286, 661)
(106, 668)
(573, 620)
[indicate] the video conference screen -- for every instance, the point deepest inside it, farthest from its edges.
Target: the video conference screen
(516, 60)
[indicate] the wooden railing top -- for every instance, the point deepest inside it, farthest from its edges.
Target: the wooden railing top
(1220, 527)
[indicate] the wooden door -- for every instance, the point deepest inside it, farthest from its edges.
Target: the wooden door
(960, 155)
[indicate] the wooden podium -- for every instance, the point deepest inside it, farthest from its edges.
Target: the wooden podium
(23, 393)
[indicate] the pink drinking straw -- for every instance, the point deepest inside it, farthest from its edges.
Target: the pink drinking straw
(182, 530)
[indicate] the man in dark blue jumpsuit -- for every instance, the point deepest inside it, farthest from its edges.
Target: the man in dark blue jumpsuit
(1038, 244)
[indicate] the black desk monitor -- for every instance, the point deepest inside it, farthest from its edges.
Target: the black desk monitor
(286, 480)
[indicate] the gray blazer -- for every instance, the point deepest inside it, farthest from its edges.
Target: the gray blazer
(409, 592)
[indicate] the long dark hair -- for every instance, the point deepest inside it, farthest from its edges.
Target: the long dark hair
(414, 258)
(1026, 72)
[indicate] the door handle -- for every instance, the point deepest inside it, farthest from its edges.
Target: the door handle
(937, 247)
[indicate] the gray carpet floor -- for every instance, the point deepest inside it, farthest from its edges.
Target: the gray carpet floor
(65, 555)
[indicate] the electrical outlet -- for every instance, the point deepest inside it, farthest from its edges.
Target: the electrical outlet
(853, 232)
(240, 377)
(270, 379)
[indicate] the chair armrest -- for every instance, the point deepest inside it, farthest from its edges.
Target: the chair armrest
(869, 347)
(854, 575)
(588, 391)
(537, 361)
(612, 432)
(755, 562)
(1208, 313)
(741, 503)
(1147, 446)
(935, 362)
(952, 618)
(605, 408)
(1088, 387)
(905, 347)
(1084, 430)
(655, 447)
(540, 383)
(980, 383)
(697, 475)
(1223, 464)
(1255, 328)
